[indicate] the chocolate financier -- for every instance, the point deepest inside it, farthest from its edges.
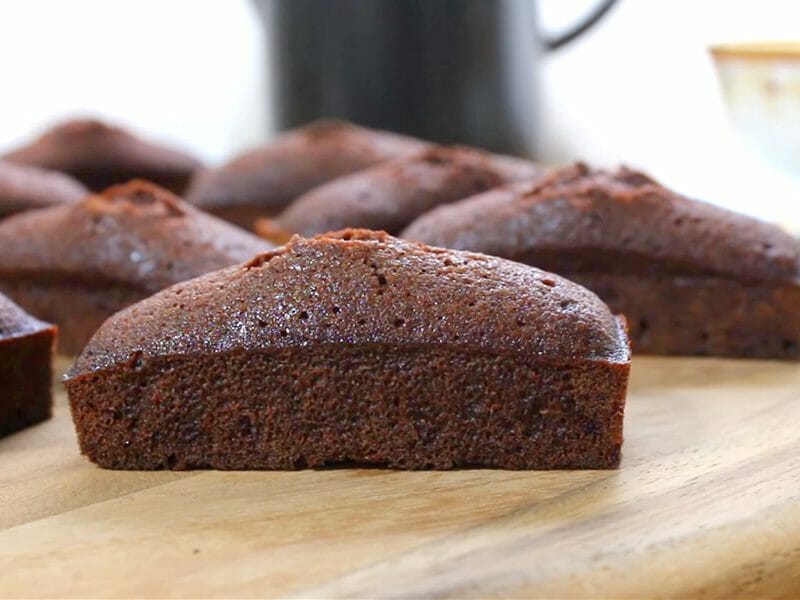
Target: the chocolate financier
(74, 265)
(100, 155)
(26, 354)
(691, 278)
(357, 347)
(28, 188)
(263, 181)
(390, 195)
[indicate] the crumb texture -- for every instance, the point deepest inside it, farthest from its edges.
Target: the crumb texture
(383, 405)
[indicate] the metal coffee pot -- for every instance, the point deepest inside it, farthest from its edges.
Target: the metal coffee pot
(451, 71)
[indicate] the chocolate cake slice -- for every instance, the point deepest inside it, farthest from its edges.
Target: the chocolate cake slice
(263, 181)
(74, 265)
(390, 195)
(27, 188)
(100, 155)
(26, 353)
(358, 348)
(690, 277)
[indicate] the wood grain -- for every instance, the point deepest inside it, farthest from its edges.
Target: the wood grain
(706, 504)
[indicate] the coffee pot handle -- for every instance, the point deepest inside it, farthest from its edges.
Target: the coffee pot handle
(580, 28)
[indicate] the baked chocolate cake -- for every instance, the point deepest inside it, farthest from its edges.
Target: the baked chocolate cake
(263, 181)
(27, 188)
(100, 155)
(690, 277)
(357, 347)
(26, 353)
(74, 265)
(390, 195)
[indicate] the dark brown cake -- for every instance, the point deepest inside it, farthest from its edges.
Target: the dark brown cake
(100, 155)
(27, 188)
(357, 348)
(75, 265)
(263, 181)
(390, 195)
(26, 353)
(690, 277)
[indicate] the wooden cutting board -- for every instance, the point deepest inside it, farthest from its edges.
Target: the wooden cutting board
(706, 504)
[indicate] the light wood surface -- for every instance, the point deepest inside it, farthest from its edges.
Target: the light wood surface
(706, 504)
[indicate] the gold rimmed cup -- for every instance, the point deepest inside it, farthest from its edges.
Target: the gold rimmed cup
(761, 87)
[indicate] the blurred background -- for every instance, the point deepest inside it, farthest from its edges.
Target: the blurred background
(640, 88)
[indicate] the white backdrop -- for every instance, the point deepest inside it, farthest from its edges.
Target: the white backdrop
(186, 71)
(640, 89)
